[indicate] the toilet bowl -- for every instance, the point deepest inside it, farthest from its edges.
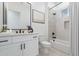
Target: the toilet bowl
(43, 40)
(45, 47)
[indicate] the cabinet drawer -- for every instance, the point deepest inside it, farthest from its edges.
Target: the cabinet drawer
(29, 37)
(5, 40)
(19, 39)
(33, 37)
(24, 38)
(16, 39)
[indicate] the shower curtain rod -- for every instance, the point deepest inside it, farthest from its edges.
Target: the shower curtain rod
(55, 5)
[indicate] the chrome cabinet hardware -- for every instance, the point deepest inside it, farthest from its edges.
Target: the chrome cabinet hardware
(21, 46)
(24, 46)
(34, 36)
(3, 41)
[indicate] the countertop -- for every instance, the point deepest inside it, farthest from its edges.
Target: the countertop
(16, 34)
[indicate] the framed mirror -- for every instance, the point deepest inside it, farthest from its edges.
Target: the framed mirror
(17, 17)
(38, 17)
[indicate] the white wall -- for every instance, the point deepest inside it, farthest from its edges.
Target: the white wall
(1, 16)
(75, 28)
(42, 29)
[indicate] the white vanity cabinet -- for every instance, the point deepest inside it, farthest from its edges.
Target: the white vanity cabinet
(20, 45)
(10, 50)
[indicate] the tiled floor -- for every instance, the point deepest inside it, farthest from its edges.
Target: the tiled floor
(51, 52)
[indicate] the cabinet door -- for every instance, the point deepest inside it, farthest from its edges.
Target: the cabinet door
(31, 48)
(10, 50)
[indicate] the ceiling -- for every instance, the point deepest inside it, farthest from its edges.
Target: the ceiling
(52, 4)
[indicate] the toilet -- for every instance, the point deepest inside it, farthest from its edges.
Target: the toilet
(44, 41)
(45, 47)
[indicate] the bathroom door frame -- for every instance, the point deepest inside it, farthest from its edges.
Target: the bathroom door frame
(74, 11)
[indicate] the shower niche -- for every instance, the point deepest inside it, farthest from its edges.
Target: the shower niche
(66, 24)
(66, 18)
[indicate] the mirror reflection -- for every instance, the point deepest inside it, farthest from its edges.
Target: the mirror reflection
(13, 17)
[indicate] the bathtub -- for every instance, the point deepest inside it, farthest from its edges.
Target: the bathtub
(61, 45)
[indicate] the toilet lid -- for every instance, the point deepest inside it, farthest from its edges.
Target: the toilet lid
(46, 42)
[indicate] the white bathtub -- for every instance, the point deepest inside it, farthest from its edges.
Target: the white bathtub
(62, 45)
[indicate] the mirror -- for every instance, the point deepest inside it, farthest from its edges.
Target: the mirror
(13, 19)
(17, 15)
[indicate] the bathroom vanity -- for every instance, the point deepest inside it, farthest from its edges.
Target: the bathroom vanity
(13, 17)
(19, 44)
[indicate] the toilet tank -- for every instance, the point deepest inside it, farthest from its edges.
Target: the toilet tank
(43, 37)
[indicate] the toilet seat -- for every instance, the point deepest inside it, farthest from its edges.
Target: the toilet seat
(45, 44)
